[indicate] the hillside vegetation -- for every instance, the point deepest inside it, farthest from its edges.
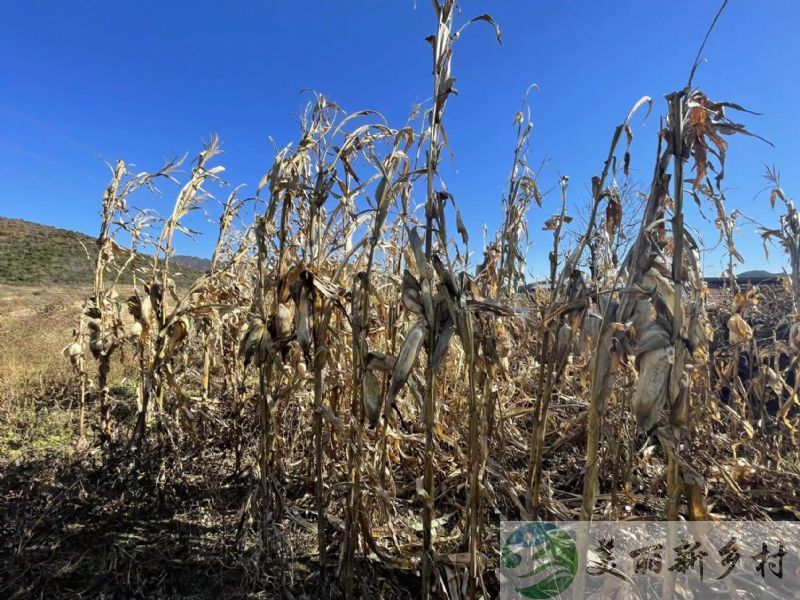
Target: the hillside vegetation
(35, 254)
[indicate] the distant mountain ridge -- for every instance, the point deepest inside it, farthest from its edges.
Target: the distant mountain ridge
(191, 262)
(36, 254)
(757, 273)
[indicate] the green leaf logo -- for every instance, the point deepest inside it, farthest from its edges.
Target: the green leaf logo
(539, 560)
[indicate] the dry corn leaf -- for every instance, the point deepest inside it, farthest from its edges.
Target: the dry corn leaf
(739, 330)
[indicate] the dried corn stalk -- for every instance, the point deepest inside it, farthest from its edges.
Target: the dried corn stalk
(102, 312)
(522, 189)
(664, 304)
(164, 328)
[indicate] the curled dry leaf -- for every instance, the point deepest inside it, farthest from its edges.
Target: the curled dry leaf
(746, 299)
(738, 329)
(175, 336)
(553, 222)
(794, 338)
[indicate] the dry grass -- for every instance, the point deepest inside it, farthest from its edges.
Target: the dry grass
(33, 322)
(37, 386)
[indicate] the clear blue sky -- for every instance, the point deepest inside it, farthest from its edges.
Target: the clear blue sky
(144, 81)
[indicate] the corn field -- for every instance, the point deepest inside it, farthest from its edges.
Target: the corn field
(384, 401)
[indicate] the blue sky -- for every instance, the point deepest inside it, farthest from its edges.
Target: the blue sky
(145, 81)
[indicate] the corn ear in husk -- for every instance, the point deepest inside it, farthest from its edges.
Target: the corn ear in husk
(652, 386)
(251, 340)
(372, 398)
(282, 321)
(406, 359)
(303, 324)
